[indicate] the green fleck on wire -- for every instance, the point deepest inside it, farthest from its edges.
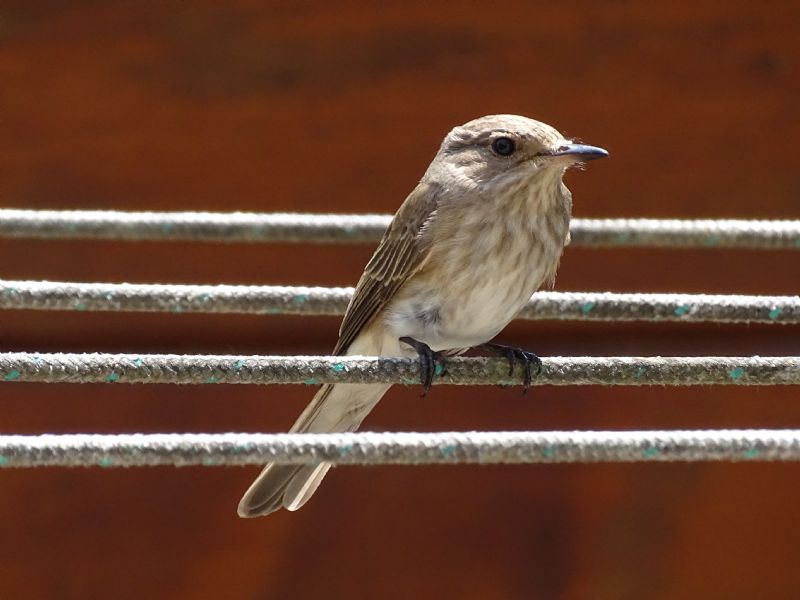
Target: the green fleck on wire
(622, 237)
(300, 298)
(650, 452)
(448, 450)
(211, 379)
(751, 453)
(112, 377)
(3, 461)
(775, 312)
(346, 449)
(338, 368)
(12, 375)
(549, 451)
(712, 240)
(136, 362)
(736, 373)
(105, 462)
(681, 310)
(439, 369)
(238, 365)
(587, 307)
(311, 381)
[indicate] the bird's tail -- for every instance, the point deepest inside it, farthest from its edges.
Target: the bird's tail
(335, 408)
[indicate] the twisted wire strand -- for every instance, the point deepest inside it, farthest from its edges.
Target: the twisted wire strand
(284, 300)
(366, 448)
(332, 228)
(313, 370)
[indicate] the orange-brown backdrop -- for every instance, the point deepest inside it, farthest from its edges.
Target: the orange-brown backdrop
(317, 106)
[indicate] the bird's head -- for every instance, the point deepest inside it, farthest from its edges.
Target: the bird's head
(500, 152)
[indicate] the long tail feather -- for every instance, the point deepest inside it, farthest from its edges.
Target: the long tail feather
(335, 408)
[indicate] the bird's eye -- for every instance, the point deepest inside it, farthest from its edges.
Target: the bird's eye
(504, 146)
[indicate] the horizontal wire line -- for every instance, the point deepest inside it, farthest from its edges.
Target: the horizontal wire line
(367, 448)
(313, 370)
(361, 228)
(284, 300)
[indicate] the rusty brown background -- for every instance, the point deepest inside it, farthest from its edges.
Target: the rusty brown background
(317, 106)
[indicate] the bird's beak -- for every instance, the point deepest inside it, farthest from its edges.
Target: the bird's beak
(579, 152)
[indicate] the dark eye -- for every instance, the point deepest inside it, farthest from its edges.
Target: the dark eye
(504, 146)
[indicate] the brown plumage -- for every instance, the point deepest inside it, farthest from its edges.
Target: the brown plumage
(400, 254)
(481, 232)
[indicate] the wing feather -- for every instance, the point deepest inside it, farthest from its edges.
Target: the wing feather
(400, 254)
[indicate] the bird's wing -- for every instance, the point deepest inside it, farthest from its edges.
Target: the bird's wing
(401, 253)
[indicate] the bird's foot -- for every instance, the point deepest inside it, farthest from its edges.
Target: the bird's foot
(430, 363)
(531, 364)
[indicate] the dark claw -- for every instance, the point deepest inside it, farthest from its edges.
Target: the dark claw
(525, 358)
(428, 361)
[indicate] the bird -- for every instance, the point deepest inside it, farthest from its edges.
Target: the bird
(483, 229)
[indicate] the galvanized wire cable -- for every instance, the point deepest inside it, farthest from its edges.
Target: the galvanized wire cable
(139, 450)
(313, 370)
(284, 300)
(194, 226)
(330, 228)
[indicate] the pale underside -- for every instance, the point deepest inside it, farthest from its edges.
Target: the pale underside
(454, 276)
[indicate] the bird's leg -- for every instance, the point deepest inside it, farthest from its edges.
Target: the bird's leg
(429, 362)
(525, 358)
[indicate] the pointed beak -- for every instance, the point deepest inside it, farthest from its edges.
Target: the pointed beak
(580, 152)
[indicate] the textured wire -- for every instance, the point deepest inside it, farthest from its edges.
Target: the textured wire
(596, 306)
(138, 450)
(328, 228)
(313, 370)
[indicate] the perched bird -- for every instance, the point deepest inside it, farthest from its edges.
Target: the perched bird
(482, 231)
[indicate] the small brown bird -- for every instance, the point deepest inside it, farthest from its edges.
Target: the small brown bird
(482, 231)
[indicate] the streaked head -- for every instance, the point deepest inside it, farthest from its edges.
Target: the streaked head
(500, 150)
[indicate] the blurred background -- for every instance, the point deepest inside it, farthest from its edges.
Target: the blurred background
(339, 107)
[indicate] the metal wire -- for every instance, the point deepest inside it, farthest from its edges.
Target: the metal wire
(313, 370)
(329, 228)
(138, 450)
(594, 306)
(389, 448)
